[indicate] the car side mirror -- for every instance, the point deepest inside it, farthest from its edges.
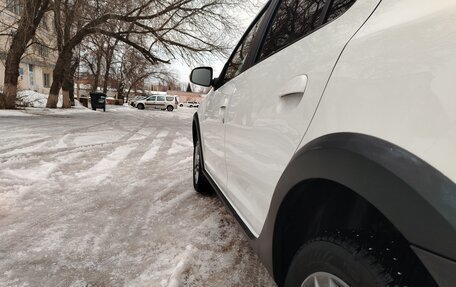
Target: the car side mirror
(202, 76)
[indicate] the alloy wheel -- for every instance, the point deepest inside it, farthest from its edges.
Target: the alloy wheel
(323, 279)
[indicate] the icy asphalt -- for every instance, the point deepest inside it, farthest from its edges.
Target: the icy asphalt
(106, 199)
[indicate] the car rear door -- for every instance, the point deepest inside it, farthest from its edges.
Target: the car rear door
(160, 102)
(150, 102)
(272, 103)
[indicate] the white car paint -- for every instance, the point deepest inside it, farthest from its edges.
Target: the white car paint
(409, 100)
(393, 80)
(248, 143)
(271, 108)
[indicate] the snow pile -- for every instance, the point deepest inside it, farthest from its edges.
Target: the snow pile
(184, 265)
(34, 99)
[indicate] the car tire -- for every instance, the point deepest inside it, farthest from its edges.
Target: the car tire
(344, 261)
(200, 182)
(140, 106)
(181, 105)
(169, 108)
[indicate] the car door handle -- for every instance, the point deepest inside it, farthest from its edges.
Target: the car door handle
(222, 113)
(294, 87)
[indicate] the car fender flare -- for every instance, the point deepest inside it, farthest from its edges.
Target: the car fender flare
(415, 197)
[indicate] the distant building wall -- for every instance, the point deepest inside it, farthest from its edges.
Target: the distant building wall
(186, 96)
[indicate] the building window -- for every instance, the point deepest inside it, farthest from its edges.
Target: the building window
(46, 80)
(14, 6)
(43, 51)
(31, 75)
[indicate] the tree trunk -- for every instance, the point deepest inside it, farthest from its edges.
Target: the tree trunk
(97, 76)
(66, 98)
(53, 99)
(12, 63)
(31, 16)
(8, 97)
(106, 81)
(71, 90)
(66, 86)
(68, 83)
(57, 81)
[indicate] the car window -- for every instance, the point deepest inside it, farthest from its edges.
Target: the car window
(338, 7)
(161, 98)
(169, 99)
(151, 98)
(293, 20)
(236, 64)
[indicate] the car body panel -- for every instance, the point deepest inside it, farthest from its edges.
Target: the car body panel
(213, 135)
(394, 181)
(149, 102)
(382, 124)
(409, 100)
(270, 107)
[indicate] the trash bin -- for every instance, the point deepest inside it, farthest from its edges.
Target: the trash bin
(98, 101)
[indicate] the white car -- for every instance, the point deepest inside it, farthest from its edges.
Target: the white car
(133, 101)
(331, 136)
(192, 104)
(162, 102)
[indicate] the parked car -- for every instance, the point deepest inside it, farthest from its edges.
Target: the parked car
(133, 101)
(162, 102)
(192, 104)
(330, 135)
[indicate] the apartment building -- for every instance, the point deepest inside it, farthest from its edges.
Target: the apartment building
(35, 72)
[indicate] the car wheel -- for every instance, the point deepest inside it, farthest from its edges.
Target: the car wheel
(181, 105)
(200, 182)
(336, 262)
(140, 106)
(170, 108)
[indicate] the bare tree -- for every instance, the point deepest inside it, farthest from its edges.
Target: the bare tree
(160, 30)
(97, 55)
(32, 12)
(92, 52)
(109, 56)
(132, 71)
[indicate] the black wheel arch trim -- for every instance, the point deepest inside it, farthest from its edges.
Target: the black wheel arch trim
(414, 196)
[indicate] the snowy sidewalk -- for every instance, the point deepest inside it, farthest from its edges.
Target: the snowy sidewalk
(106, 199)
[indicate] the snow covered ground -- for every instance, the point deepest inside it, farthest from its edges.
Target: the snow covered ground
(106, 199)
